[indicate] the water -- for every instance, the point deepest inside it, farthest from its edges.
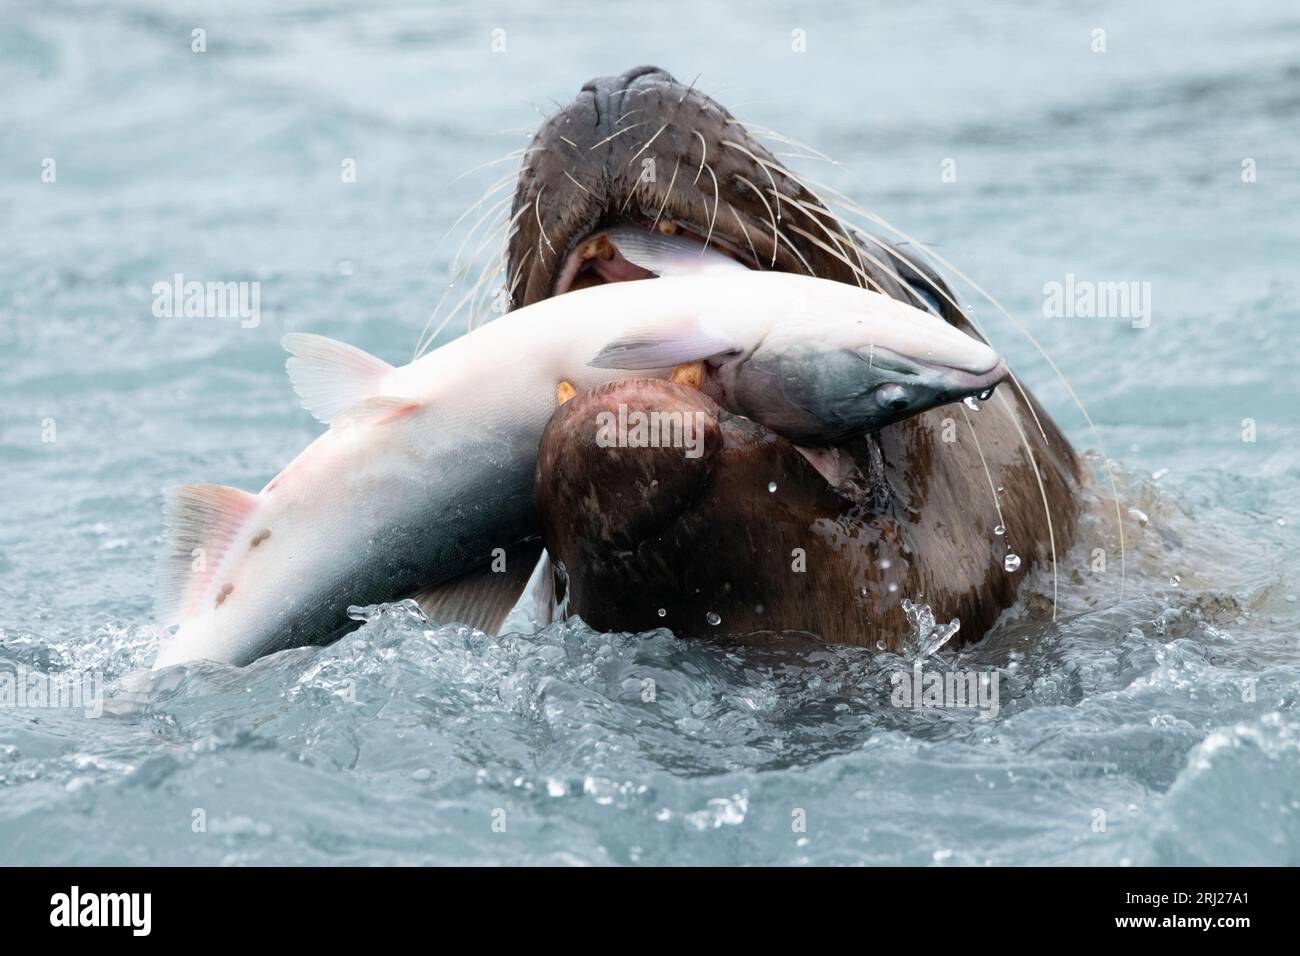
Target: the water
(1160, 728)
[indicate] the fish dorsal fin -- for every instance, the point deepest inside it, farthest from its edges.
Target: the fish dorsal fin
(202, 521)
(483, 598)
(372, 411)
(667, 255)
(662, 345)
(331, 376)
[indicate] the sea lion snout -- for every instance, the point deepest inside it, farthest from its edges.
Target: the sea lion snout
(711, 545)
(621, 461)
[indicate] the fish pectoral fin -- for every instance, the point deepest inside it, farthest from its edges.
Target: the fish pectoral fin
(669, 255)
(663, 346)
(202, 521)
(483, 598)
(373, 411)
(835, 465)
(329, 376)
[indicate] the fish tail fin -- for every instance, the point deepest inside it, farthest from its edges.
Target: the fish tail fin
(202, 521)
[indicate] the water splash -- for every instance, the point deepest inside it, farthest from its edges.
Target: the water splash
(926, 635)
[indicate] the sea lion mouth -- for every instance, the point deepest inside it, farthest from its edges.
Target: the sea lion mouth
(596, 259)
(642, 149)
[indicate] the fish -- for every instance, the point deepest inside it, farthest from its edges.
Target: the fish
(424, 476)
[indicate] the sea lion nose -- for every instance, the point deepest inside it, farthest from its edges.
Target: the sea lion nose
(612, 84)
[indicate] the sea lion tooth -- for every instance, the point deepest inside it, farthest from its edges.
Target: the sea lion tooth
(668, 227)
(597, 247)
(691, 374)
(564, 391)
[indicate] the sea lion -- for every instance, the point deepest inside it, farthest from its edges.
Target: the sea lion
(954, 506)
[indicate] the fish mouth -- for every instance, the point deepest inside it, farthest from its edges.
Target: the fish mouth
(955, 384)
(641, 149)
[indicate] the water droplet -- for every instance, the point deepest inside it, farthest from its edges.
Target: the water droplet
(1000, 529)
(985, 395)
(1011, 562)
(884, 564)
(1281, 522)
(1175, 581)
(771, 486)
(892, 587)
(1001, 489)
(970, 402)
(712, 618)
(663, 612)
(1139, 516)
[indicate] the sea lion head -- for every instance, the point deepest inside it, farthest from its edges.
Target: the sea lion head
(641, 148)
(761, 532)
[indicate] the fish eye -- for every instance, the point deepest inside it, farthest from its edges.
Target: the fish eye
(894, 397)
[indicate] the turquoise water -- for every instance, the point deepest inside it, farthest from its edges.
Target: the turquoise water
(1169, 715)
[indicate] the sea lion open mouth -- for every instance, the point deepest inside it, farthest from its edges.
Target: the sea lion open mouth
(759, 535)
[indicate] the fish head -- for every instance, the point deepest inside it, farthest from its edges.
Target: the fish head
(843, 361)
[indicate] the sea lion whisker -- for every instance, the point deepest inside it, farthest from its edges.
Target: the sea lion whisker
(646, 144)
(626, 114)
(614, 135)
(1042, 490)
(465, 298)
(691, 88)
(744, 229)
(814, 213)
(763, 166)
(492, 190)
(716, 196)
(997, 503)
(798, 255)
(458, 272)
(537, 209)
(858, 273)
(668, 195)
(483, 287)
(704, 155)
(513, 154)
(569, 141)
(785, 155)
(519, 274)
(769, 133)
(421, 343)
(575, 182)
(759, 193)
(486, 217)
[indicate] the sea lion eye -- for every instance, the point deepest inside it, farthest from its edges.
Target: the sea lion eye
(894, 397)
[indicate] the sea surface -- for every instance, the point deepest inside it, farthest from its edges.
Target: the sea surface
(1154, 722)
